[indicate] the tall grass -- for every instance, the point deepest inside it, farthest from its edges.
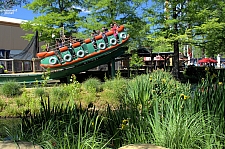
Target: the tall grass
(169, 114)
(64, 127)
(154, 108)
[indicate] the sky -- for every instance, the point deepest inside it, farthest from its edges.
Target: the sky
(19, 13)
(24, 14)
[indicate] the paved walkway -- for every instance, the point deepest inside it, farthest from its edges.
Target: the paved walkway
(28, 145)
(17, 145)
(142, 146)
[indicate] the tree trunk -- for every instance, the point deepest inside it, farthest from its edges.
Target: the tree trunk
(176, 59)
(175, 47)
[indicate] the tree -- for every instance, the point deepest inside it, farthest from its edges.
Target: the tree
(196, 23)
(170, 22)
(55, 15)
(209, 31)
(8, 4)
(127, 12)
(136, 62)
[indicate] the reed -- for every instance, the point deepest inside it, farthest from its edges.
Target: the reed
(153, 108)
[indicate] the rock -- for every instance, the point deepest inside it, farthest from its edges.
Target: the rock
(142, 146)
(18, 145)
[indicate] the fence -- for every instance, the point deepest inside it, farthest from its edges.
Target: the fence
(20, 66)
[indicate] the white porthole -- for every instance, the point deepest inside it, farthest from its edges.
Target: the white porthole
(67, 57)
(123, 36)
(80, 53)
(53, 60)
(102, 46)
(112, 41)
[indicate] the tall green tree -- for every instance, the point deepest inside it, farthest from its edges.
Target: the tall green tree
(8, 4)
(209, 30)
(184, 22)
(55, 14)
(127, 12)
(169, 23)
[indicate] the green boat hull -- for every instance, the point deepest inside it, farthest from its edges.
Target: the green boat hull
(62, 73)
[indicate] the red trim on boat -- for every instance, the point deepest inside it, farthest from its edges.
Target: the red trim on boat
(98, 37)
(41, 54)
(63, 49)
(86, 57)
(87, 40)
(109, 33)
(121, 28)
(51, 53)
(77, 44)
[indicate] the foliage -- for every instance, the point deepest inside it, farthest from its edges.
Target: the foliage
(158, 85)
(209, 26)
(64, 127)
(2, 104)
(196, 74)
(45, 77)
(136, 61)
(213, 102)
(7, 126)
(11, 89)
(40, 92)
(8, 4)
(154, 108)
(116, 86)
(59, 93)
(92, 84)
(57, 14)
(74, 88)
(178, 23)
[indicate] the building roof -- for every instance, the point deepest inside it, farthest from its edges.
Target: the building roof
(11, 21)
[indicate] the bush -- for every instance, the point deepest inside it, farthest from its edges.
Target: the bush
(59, 93)
(118, 87)
(40, 92)
(92, 84)
(11, 89)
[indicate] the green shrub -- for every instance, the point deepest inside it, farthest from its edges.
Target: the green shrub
(11, 89)
(59, 93)
(92, 84)
(2, 104)
(118, 86)
(40, 92)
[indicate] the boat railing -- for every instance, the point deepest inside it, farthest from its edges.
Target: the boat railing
(21, 66)
(66, 43)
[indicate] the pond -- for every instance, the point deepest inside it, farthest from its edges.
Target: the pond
(9, 127)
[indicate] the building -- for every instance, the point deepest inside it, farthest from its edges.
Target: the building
(10, 34)
(12, 43)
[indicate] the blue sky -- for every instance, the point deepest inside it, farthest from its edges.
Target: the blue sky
(19, 13)
(22, 13)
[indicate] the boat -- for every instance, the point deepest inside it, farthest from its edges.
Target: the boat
(79, 53)
(77, 58)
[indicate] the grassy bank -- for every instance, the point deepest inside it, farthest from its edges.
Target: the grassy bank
(152, 108)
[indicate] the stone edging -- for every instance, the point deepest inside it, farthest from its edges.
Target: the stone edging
(18, 145)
